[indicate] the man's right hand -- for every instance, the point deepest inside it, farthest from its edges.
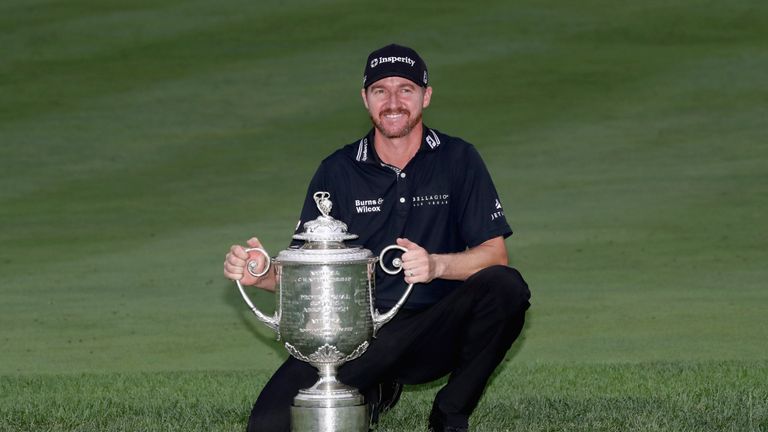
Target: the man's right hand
(235, 262)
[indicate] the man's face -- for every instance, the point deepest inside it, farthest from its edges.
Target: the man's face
(395, 105)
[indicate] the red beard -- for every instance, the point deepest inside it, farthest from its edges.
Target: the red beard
(396, 133)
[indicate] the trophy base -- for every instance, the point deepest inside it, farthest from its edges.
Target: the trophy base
(329, 406)
(339, 410)
(330, 419)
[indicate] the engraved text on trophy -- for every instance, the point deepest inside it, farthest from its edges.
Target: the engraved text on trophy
(325, 305)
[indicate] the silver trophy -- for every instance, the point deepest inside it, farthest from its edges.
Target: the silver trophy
(325, 315)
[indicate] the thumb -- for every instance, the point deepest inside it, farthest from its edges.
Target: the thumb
(404, 242)
(254, 242)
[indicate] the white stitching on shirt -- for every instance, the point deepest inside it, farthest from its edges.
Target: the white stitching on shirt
(360, 150)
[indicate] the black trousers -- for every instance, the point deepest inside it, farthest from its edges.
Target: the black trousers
(465, 335)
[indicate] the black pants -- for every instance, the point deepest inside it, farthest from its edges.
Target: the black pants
(466, 335)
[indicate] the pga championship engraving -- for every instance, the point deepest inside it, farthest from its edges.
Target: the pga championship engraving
(325, 315)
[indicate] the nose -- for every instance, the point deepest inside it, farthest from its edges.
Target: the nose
(392, 101)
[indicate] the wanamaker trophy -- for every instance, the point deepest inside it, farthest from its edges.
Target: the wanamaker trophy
(325, 315)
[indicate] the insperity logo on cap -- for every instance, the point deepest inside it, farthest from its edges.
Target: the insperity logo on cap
(395, 60)
(379, 60)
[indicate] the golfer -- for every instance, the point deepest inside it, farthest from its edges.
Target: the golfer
(431, 193)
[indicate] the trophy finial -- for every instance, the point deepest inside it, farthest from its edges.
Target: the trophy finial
(323, 202)
(325, 228)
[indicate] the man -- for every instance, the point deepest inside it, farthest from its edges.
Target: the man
(432, 194)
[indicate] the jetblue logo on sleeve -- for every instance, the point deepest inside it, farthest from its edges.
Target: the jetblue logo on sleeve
(499, 210)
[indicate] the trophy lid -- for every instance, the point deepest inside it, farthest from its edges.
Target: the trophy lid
(324, 239)
(324, 228)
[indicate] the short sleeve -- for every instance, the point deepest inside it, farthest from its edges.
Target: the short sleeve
(480, 213)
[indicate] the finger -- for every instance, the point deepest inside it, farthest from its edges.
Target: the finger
(233, 268)
(410, 273)
(233, 276)
(414, 279)
(415, 257)
(236, 261)
(410, 259)
(404, 242)
(238, 251)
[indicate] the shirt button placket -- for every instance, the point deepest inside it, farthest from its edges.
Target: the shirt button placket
(404, 198)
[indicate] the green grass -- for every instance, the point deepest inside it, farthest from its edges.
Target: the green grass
(138, 140)
(722, 396)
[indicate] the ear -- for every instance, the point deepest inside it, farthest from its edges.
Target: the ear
(365, 99)
(427, 97)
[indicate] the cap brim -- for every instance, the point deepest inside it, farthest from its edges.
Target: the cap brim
(393, 74)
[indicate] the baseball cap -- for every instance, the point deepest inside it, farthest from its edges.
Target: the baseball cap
(395, 60)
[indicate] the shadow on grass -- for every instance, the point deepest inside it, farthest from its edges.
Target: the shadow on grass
(515, 349)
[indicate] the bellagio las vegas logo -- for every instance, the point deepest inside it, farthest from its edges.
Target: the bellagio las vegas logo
(430, 200)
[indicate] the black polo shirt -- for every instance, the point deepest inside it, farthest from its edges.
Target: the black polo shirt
(444, 200)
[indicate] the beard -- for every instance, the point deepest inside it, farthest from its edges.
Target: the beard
(392, 133)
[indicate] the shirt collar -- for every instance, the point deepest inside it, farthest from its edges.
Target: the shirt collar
(366, 151)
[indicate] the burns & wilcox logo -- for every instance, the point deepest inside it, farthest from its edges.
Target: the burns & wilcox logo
(368, 206)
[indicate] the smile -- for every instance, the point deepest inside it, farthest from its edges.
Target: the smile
(394, 116)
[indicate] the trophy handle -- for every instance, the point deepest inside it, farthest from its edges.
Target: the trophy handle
(381, 319)
(271, 322)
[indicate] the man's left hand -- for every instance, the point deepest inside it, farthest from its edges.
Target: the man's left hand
(418, 264)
